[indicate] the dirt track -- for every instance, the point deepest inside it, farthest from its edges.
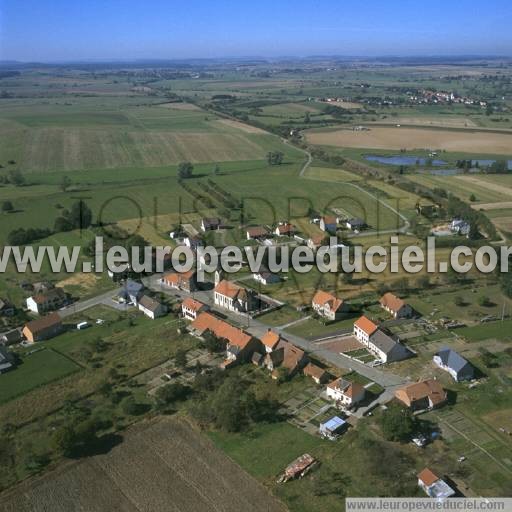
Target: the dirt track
(164, 467)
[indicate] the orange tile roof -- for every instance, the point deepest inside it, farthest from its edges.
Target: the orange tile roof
(427, 388)
(312, 370)
(208, 322)
(330, 219)
(176, 277)
(286, 228)
(317, 239)
(270, 339)
(347, 387)
(366, 325)
(292, 355)
(192, 304)
(428, 477)
(40, 324)
(354, 389)
(392, 302)
(229, 289)
(256, 231)
(322, 298)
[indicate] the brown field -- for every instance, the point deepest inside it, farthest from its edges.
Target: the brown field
(180, 106)
(162, 466)
(492, 206)
(494, 187)
(415, 138)
(503, 223)
(448, 122)
(240, 126)
(86, 281)
(344, 104)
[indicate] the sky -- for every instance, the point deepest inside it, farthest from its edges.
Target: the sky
(66, 30)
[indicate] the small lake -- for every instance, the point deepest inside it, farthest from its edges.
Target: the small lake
(403, 160)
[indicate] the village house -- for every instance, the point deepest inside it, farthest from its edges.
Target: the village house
(190, 308)
(210, 223)
(316, 241)
(6, 308)
(46, 301)
(265, 277)
(319, 375)
(270, 340)
(230, 296)
(328, 224)
(452, 362)
(6, 360)
(240, 345)
(363, 329)
(130, 292)
(193, 242)
(285, 229)
(286, 356)
(423, 395)
(433, 486)
(395, 306)
(43, 328)
(328, 306)
(355, 224)
(256, 233)
(344, 392)
(151, 307)
(378, 342)
(185, 281)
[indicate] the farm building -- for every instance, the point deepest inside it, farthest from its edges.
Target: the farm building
(6, 308)
(332, 428)
(319, 375)
(286, 356)
(461, 227)
(6, 360)
(328, 305)
(427, 394)
(434, 486)
(458, 367)
(355, 224)
(11, 337)
(186, 281)
(190, 308)
(210, 223)
(257, 233)
(235, 298)
(395, 306)
(151, 307)
(344, 392)
(46, 301)
(131, 292)
(316, 241)
(328, 224)
(265, 277)
(285, 229)
(43, 328)
(363, 329)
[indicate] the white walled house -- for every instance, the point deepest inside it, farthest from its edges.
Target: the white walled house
(151, 307)
(344, 392)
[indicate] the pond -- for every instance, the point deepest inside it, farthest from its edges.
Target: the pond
(404, 160)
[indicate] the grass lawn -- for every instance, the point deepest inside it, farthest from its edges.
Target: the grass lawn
(35, 369)
(499, 330)
(280, 316)
(313, 327)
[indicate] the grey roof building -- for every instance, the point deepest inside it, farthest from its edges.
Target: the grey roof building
(387, 348)
(6, 360)
(452, 362)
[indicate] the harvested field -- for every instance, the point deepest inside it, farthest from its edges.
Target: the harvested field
(247, 128)
(162, 466)
(494, 187)
(447, 122)
(180, 106)
(415, 138)
(503, 223)
(492, 206)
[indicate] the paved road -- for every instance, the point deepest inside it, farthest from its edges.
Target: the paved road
(257, 328)
(82, 305)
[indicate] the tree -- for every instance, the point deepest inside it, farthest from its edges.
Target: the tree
(397, 423)
(65, 183)
(130, 407)
(213, 344)
(275, 157)
(16, 177)
(485, 301)
(472, 198)
(185, 170)
(62, 224)
(7, 206)
(423, 282)
(80, 215)
(171, 393)
(181, 358)
(216, 170)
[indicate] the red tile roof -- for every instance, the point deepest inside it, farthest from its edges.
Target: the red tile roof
(230, 289)
(428, 477)
(322, 298)
(312, 370)
(419, 390)
(257, 231)
(40, 324)
(270, 339)
(192, 304)
(366, 325)
(208, 322)
(392, 302)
